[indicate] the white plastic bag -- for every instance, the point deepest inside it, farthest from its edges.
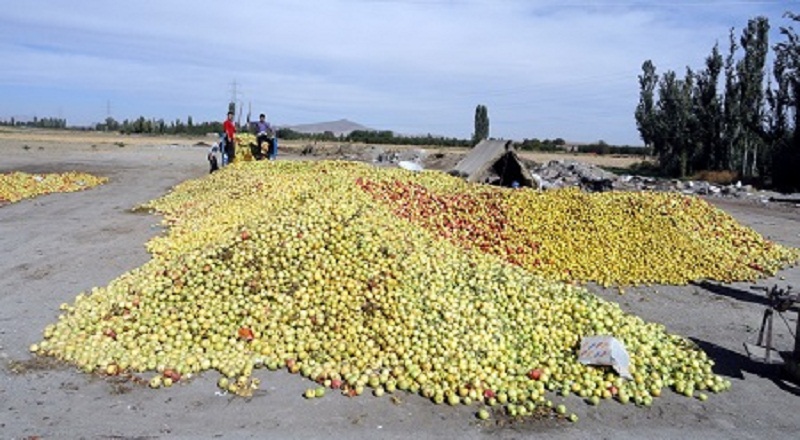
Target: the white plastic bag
(410, 166)
(605, 350)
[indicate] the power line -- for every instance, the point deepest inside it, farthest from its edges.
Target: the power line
(235, 92)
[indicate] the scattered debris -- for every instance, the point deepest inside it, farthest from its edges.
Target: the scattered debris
(489, 159)
(560, 174)
(591, 178)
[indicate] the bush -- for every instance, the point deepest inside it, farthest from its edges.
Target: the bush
(603, 148)
(645, 168)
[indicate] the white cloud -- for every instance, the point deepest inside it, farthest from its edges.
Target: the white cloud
(543, 68)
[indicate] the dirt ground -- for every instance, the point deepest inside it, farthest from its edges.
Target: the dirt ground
(55, 246)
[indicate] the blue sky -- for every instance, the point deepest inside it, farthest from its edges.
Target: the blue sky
(544, 69)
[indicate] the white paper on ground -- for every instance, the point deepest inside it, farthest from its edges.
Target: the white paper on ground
(605, 350)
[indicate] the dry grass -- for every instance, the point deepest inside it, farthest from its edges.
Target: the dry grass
(612, 161)
(717, 177)
(73, 139)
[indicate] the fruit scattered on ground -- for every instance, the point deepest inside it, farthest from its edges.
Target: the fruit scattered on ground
(16, 186)
(314, 267)
(611, 238)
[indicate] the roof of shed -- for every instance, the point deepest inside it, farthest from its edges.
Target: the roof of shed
(480, 160)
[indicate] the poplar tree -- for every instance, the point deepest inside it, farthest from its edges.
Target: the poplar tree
(785, 110)
(481, 124)
(645, 110)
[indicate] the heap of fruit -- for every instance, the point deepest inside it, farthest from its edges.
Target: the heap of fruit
(613, 238)
(316, 267)
(16, 186)
(243, 152)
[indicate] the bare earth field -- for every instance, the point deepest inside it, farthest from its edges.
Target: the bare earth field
(55, 246)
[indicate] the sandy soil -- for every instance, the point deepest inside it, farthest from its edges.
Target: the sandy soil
(56, 246)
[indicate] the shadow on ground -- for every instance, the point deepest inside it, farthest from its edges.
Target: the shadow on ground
(734, 364)
(751, 296)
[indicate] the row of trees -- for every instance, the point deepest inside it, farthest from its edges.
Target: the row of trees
(142, 125)
(599, 147)
(541, 145)
(36, 122)
(731, 115)
(388, 137)
(384, 137)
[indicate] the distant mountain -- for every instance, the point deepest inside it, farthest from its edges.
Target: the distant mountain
(340, 127)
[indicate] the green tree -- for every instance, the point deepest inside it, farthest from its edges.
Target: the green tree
(731, 114)
(751, 70)
(481, 124)
(779, 96)
(178, 126)
(138, 125)
(672, 139)
(645, 110)
(111, 124)
(785, 110)
(707, 107)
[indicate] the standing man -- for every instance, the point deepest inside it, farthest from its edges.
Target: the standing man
(230, 138)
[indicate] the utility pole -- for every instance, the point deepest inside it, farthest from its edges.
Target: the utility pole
(234, 91)
(234, 97)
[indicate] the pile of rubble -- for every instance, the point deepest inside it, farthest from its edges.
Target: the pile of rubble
(550, 175)
(371, 154)
(560, 174)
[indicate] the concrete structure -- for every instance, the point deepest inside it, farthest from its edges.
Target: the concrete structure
(494, 162)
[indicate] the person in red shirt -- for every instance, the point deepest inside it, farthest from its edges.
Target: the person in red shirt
(230, 138)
